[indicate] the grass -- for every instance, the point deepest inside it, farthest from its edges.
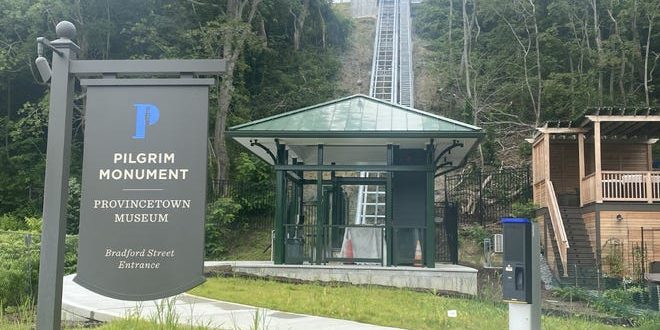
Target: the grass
(249, 244)
(376, 305)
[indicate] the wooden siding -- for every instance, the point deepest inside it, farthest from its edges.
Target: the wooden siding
(564, 167)
(619, 157)
(588, 189)
(628, 232)
(539, 159)
(590, 224)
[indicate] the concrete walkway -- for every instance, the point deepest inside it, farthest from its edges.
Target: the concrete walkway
(79, 303)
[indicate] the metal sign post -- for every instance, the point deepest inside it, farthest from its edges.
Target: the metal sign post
(56, 188)
(156, 110)
(528, 316)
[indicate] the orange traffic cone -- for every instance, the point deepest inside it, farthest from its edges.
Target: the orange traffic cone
(348, 252)
(418, 255)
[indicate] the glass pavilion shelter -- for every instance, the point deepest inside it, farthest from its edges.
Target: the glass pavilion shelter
(322, 154)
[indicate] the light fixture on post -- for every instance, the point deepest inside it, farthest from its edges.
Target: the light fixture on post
(41, 62)
(619, 218)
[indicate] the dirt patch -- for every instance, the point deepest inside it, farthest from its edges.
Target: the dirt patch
(356, 68)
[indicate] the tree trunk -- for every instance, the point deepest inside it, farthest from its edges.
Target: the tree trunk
(650, 19)
(539, 88)
(299, 23)
(599, 49)
(233, 43)
(323, 28)
(466, 50)
(450, 63)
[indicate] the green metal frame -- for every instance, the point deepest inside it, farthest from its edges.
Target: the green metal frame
(429, 241)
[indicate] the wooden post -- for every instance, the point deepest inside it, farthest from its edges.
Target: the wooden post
(598, 176)
(649, 187)
(581, 164)
(546, 156)
(649, 177)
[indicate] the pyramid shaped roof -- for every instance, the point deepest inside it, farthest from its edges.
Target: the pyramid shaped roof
(356, 130)
(355, 114)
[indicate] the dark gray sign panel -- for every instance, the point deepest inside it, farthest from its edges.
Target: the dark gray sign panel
(143, 187)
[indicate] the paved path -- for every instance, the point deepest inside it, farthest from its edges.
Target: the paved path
(78, 302)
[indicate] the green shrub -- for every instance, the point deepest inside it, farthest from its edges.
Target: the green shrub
(19, 268)
(19, 263)
(220, 220)
(73, 207)
(11, 222)
(475, 234)
(572, 293)
(524, 209)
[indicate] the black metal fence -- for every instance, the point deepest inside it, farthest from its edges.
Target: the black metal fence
(446, 232)
(256, 200)
(484, 197)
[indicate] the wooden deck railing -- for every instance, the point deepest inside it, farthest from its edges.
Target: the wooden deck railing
(588, 189)
(641, 186)
(557, 225)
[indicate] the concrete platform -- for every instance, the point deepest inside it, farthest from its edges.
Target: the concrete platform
(80, 304)
(444, 277)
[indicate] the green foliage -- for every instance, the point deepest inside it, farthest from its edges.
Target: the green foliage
(19, 268)
(19, 262)
(270, 76)
(73, 207)
(613, 257)
(572, 293)
(252, 182)
(220, 220)
(639, 260)
(619, 302)
(524, 209)
(11, 222)
(391, 307)
(475, 233)
(520, 63)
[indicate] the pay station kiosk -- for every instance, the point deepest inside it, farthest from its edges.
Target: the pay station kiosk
(521, 273)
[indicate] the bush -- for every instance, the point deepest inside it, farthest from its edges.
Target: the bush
(475, 234)
(19, 268)
(19, 263)
(572, 293)
(73, 207)
(11, 222)
(220, 220)
(525, 209)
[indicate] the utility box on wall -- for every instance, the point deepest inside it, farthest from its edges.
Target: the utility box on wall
(517, 260)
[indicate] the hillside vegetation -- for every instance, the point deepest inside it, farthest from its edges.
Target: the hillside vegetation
(509, 66)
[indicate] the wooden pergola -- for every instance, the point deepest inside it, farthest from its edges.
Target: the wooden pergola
(603, 156)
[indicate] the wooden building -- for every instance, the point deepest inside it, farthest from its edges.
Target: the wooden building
(599, 192)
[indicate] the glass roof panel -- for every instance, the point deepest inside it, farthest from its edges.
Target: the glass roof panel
(358, 113)
(354, 117)
(384, 121)
(369, 116)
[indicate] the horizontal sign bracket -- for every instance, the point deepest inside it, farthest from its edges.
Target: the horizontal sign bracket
(90, 68)
(148, 82)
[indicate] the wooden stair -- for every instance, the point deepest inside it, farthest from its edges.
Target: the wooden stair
(582, 265)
